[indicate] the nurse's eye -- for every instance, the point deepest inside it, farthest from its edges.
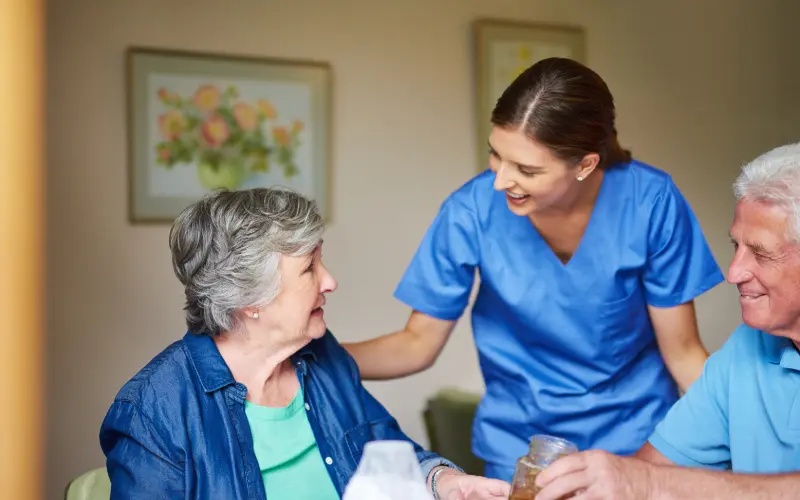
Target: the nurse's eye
(527, 173)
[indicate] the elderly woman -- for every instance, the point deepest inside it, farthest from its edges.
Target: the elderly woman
(258, 400)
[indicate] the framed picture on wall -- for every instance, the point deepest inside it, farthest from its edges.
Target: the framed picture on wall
(503, 50)
(199, 122)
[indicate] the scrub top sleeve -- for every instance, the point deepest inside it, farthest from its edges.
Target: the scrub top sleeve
(680, 265)
(439, 279)
(695, 431)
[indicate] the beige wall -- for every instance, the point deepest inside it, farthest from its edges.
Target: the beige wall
(698, 88)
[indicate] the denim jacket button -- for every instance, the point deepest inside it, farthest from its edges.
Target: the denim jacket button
(308, 407)
(329, 460)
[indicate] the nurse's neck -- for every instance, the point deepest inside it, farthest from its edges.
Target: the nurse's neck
(578, 199)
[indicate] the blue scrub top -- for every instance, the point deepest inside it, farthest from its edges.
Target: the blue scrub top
(566, 350)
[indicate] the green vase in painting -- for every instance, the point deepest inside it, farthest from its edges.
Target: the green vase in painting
(227, 175)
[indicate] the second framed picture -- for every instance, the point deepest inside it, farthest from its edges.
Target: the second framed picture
(503, 50)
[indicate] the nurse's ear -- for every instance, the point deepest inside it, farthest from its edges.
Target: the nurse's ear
(587, 165)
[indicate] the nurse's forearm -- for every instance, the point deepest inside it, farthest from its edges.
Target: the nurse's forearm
(679, 341)
(403, 353)
(687, 367)
(674, 483)
(390, 356)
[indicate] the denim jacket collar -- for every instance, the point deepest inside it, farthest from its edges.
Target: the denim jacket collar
(212, 370)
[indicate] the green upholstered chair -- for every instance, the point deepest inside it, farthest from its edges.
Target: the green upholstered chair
(448, 421)
(92, 485)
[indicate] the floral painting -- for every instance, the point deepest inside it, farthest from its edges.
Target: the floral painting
(227, 140)
(201, 123)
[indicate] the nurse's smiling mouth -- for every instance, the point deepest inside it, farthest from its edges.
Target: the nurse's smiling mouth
(516, 199)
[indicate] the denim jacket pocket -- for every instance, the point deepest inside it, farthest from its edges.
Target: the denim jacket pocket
(357, 437)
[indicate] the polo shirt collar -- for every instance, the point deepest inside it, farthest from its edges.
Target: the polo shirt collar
(781, 351)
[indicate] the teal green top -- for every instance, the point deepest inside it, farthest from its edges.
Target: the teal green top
(288, 456)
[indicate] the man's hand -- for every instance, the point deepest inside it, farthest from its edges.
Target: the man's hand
(596, 475)
(454, 485)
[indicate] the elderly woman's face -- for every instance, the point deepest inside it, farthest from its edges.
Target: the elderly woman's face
(297, 310)
(766, 268)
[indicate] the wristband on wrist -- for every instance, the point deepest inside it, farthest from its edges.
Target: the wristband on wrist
(433, 482)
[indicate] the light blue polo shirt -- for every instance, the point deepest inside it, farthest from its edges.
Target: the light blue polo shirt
(743, 413)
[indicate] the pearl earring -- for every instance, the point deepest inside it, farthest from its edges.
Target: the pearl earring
(580, 178)
(255, 315)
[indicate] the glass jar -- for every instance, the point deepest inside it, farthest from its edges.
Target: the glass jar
(543, 451)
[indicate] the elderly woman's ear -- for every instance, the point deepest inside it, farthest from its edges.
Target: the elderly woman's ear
(251, 313)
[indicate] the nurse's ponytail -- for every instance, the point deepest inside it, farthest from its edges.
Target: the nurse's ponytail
(565, 106)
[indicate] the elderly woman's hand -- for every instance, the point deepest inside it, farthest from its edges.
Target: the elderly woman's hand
(454, 485)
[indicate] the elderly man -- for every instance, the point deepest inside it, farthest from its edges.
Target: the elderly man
(742, 416)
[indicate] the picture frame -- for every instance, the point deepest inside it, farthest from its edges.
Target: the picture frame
(503, 49)
(199, 122)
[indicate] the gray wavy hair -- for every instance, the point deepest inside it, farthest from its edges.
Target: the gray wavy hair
(226, 249)
(774, 177)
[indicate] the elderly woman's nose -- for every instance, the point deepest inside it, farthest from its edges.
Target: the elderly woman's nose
(328, 283)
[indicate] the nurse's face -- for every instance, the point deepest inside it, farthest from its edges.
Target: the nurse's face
(533, 179)
(766, 268)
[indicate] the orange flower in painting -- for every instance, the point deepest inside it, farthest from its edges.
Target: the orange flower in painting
(267, 109)
(245, 116)
(297, 127)
(166, 96)
(207, 98)
(215, 131)
(171, 124)
(164, 154)
(281, 136)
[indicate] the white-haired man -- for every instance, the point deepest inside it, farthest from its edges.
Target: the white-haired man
(736, 432)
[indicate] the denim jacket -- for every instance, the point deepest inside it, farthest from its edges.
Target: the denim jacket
(178, 429)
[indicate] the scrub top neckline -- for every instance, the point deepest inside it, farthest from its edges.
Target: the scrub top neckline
(599, 203)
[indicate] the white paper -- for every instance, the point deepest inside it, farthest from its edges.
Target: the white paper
(388, 470)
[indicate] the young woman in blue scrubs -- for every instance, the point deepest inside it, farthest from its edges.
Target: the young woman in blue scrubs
(589, 262)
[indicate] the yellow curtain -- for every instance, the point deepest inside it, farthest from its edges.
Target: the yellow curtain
(22, 307)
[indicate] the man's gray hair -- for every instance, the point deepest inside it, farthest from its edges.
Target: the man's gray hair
(774, 177)
(226, 249)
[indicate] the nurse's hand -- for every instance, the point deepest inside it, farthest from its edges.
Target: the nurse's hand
(596, 475)
(454, 485)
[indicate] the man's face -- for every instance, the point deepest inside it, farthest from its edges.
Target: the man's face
(766, 268)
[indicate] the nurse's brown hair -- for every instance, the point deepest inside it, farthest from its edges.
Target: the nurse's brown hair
(565, 106)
